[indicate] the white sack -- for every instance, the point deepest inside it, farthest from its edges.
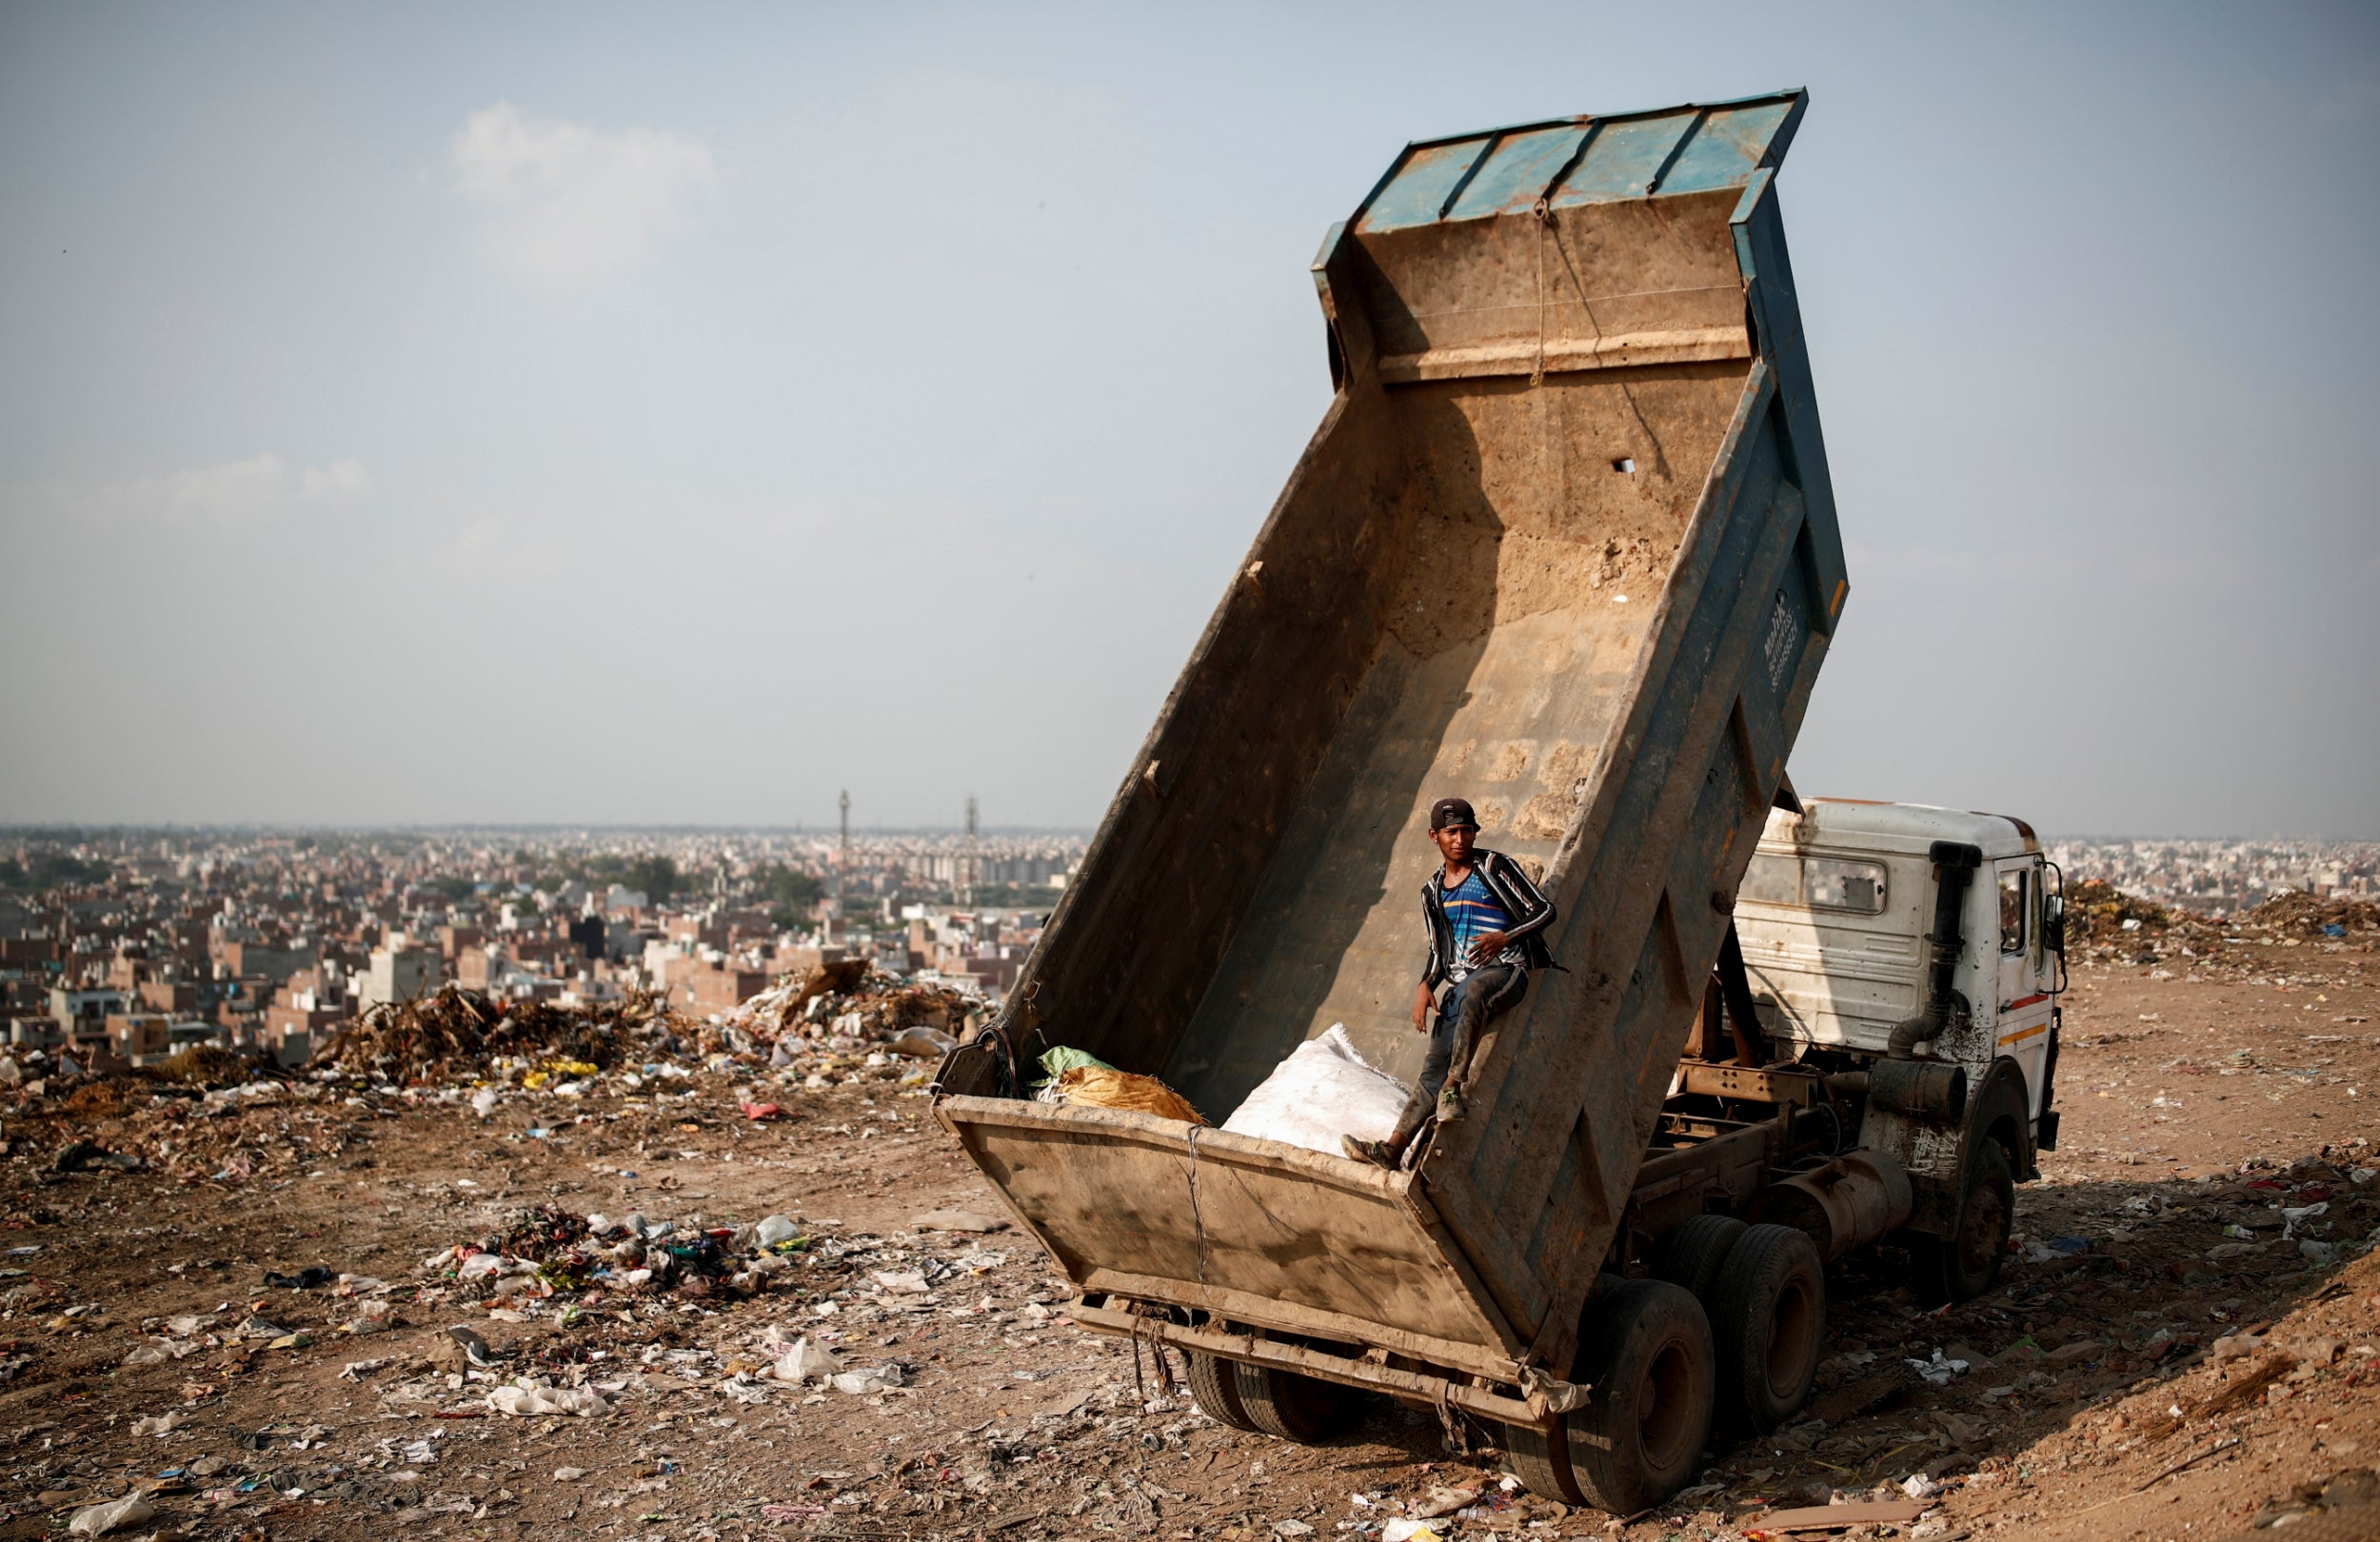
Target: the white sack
(1324, 1090)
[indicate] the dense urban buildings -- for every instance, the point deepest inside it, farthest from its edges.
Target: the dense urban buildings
(2209, 876)
(132, 943)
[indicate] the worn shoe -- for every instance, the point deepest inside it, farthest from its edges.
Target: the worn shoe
(1448, 1103)
(1378, 1153)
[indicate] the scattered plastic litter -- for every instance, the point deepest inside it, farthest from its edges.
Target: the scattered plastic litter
(1938, 1371)
(528, 1398)
(806, 1362)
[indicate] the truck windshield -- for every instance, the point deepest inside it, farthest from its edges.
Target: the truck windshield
(1820, 882)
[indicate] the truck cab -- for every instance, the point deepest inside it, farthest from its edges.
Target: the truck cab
(1890, 993)
(1834, 915)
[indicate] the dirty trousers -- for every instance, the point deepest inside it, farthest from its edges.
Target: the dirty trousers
(1460, 1038)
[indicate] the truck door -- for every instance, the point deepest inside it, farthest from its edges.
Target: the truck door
(2022, 1020)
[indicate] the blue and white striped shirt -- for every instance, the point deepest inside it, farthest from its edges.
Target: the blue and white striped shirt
(1473, 911)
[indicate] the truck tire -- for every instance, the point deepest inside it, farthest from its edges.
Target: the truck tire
(1216, 1389)
(1692, 1253)
(1540, 1457)
(1967, 1263)
(1293, 1407)
(1641, 1434)
(1767, 1320)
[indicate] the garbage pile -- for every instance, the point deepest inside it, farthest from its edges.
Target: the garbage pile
(454, 1031)
(218, 1116)
(551, 1260)
(842, 999)
(2311, 916)
(2105, 923)
(838, 1018)
(2099, 913)
(548, 1251)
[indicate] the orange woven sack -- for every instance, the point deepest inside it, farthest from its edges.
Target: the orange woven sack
(1097, 1086)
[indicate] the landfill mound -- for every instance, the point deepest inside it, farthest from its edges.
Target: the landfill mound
(845, 999)
(452, 1031)
(2105, 923)
(2097, 911)
(458, 1035)
(2307, 915)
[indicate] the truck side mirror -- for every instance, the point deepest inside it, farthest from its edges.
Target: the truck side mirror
(2054, 923)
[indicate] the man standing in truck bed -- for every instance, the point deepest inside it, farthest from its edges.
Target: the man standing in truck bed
(1485, 920)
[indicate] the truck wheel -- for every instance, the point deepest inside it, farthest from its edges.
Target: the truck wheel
(1294, 1407)
(1216, 1389)
(1768, 1316)
(1641, 1434)
(1693, 1252)
(1540, 1457)
(1967, 1263)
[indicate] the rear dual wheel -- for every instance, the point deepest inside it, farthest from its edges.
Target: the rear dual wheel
(1216, 1389)
(1293, 1407)
(1645, 1351)
(1764, 1288)
(1263, 1401)
(1692, 1256)
(1768, 1315)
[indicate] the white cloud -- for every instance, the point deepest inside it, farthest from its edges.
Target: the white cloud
(566, 201)
(261, 488)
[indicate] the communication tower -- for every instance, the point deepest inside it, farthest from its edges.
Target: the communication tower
(968, 861)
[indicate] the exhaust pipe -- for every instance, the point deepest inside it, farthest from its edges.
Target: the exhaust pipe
(1945, 1008)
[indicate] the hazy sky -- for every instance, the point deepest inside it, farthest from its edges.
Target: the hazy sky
(678, 414)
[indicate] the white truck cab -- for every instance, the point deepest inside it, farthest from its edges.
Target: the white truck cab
(1903, 965)
(1834, 917)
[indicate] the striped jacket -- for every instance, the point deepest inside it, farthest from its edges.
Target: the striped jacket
(1531, 910)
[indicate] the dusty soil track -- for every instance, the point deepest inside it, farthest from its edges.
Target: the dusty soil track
(2131, 1301)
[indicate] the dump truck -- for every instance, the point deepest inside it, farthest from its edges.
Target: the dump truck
(1564, 543)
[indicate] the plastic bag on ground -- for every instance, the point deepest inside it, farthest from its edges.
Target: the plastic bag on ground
(531, 1400)
(98, 1520)
(806, 1361)
(1324, 1090)
(874, 1378)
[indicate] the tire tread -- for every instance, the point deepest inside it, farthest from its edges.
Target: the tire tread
(1216, 1389)
(1291, 1407)
(1743, 1304)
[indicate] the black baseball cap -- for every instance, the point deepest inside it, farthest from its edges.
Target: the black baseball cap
(1449, 812)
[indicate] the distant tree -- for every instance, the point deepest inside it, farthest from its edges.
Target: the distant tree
(50, 870)
(789, 892)
(454, 888)
(655, 878)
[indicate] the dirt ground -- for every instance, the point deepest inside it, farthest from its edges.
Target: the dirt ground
(2165, 1357)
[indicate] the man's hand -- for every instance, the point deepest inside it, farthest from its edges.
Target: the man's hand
(1421, 1004)
(1489, 945)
